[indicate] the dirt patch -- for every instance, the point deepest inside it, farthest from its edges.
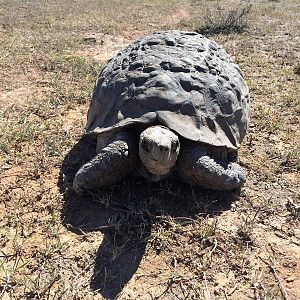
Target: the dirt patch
(102, 47)
(19, 95)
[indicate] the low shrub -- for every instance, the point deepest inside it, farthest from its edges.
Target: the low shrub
(225, 21)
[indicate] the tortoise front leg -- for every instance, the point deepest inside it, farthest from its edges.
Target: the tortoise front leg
(195, 165)
(111, 164)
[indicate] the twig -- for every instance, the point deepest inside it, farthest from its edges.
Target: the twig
(49, 285)
(4, 255)
(213, 249)
(232, 290)
(256, 292)
(295, 242)
(206, 287)
(164, 292)
(282, 288)
(3, 291)
(83, 229)
(13, 174)
(279, 281)
(163, 218)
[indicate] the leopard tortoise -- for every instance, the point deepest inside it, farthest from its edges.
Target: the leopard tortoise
(171, 102)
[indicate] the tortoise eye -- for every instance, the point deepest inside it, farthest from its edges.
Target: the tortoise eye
(145, 146)
(174, 145)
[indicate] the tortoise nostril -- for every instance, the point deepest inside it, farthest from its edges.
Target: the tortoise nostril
(175, 145)
(145, 145)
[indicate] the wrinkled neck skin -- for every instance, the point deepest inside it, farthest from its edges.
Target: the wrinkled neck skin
(158, 150)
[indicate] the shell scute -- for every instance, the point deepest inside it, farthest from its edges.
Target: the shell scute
(180, 79)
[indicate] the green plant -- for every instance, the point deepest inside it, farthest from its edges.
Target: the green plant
(246, 227)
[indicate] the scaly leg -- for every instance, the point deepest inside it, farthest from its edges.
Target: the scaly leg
(111, 164)
(195, 165)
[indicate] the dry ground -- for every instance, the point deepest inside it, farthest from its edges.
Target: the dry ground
(138, 240)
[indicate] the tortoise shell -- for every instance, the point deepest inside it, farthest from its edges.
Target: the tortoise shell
(179, 79)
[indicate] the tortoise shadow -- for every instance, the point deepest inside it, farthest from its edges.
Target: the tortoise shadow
(125, 213)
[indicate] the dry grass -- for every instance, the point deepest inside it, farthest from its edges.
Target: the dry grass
(225, 21)
(138, 240)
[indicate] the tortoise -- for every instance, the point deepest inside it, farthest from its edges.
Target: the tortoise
(173, 102)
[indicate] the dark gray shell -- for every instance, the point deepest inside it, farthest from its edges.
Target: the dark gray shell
(179, 79)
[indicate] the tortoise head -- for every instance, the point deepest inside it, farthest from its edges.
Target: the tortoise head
(158, 149)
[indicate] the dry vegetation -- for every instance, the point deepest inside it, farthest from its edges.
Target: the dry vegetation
(138, 240)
